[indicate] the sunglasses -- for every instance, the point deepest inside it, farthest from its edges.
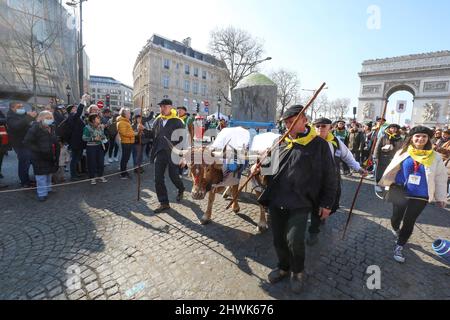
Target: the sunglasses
(322, 126)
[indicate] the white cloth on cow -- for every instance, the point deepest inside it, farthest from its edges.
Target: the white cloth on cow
(264, 141)
(230, 178)
(236, 138)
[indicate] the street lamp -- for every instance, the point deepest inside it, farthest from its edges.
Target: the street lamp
(254, 63)
(68, 89)
(73, 4)
(219, 102)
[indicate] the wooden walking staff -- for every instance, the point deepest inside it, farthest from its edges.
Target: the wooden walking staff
(258, 165)
(138, 154)
(372, 150)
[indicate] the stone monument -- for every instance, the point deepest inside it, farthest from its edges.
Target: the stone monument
(255, 99)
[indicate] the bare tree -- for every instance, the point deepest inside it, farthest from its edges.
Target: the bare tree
(288, 85)
(340, 107)
(32, 36)
(321, 106)
(240, 52)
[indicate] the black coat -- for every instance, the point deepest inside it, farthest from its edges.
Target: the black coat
(44, 149)
(306, 178)
(76, 125)
(6, 147)
(18, 126)
(161, 133)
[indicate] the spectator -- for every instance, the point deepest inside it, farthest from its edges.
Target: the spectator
(356, 142)
(127, 137)
(138, 151)
(64, 160)
(369, 136)
(76, 143)
(4, 144)
(437, 136)
(111, 129)
(94, 136)
(385, 150)
(42, 141)
(18, 122)
(342, 134)
(59, 115)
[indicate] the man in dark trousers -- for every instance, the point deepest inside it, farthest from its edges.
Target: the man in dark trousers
(305, 179)
(164, 127)
(19, 121)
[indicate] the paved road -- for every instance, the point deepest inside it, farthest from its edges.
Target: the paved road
(98, 242)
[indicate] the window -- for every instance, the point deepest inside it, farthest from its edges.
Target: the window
(195, 72)
(187, 69)
(187, 86)
(204, 74)
(166, 64)
(166, 81)
(195, 88)
(204, 88)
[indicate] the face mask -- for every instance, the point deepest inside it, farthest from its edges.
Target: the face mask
(20, 111)
(48, 122)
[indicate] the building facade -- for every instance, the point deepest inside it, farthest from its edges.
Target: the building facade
(38, 71)
(120, 94)
(171, 69)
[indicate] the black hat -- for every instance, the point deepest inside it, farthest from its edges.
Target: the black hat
(379, 118)
(292, 112)
(69, 108)
(340, 121)
(369, 124)
(165, 102)
(323, 121)
(421, 130)
(184, 108)
(394, 126)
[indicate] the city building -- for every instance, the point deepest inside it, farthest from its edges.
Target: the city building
(171, 69)
(120, 95)
(52, 75)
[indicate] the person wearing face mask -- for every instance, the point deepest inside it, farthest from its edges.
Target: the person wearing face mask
(18, 122)
(420, 172)
(95, 138)
(43, 143)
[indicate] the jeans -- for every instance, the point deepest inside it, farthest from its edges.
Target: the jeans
(289, 228)
(407, 214)
(2, 155)
(44, 185)
(113, 147)
(127, 149)
(138, 155)
(76, 157)
(95, 161)
(163, 161)
(24, 156)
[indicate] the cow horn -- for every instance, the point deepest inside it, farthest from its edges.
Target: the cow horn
(177, 151)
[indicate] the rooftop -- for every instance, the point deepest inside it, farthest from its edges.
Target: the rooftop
(109, 80)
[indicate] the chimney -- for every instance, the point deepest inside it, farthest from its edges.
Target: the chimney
(187, 42)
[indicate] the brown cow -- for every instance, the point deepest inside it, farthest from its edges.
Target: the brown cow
(204, 176)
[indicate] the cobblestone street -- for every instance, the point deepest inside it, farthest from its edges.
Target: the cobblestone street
(119, 249)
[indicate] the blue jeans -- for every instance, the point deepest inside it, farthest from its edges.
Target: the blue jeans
(76, 157)
(95, 161)
(138, 155)
(24, 156)
(44, 185)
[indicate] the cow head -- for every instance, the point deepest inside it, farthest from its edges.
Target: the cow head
(204, 176)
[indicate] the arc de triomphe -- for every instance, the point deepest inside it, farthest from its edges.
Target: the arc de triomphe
(425, 76)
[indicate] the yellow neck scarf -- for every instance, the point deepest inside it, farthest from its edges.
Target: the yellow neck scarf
(330, 138)
(183, 118)
(173, 115)
(425, 157)
(303, 140)
(390, 135)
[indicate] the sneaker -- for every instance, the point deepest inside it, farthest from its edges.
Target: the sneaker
(180, 196)
(312, 239)
(93, 182)
(42, 199)
(103, 180)
(277, 275)
(116, 159)
(297, 282)
(378, 189)
(125, 176)
(162, 208)
(398, 254)
(110, 160)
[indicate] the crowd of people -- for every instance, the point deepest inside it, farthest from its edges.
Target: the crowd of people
(409, 165)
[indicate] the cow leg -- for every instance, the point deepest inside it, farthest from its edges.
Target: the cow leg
(234, 192)
(207, 216)
(262, 224)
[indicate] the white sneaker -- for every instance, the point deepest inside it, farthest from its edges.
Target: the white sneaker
(116, 159)
(398, 254)
(378, 189)
(93, 182)
(110, 160)
(103, 180)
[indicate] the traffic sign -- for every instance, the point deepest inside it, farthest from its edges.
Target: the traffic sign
(207, 109)
(100, 104)
(401, 106)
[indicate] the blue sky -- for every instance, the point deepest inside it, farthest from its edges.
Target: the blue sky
(322, 40)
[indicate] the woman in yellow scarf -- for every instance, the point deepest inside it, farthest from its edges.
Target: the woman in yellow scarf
(420, 172)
